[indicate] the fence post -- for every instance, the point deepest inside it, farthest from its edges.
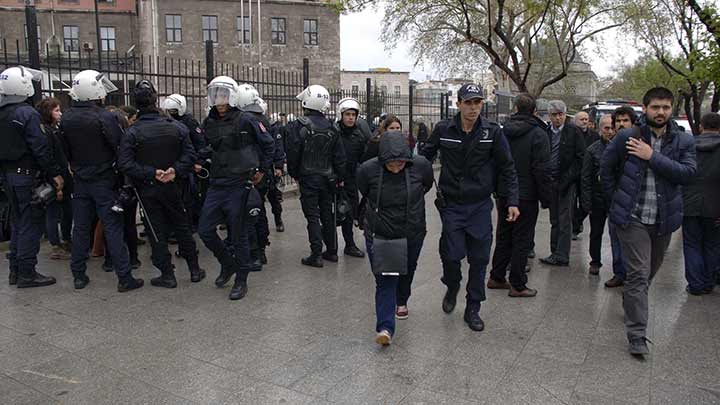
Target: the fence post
(447, 105)
(368, 89)
(209, 60)
(442, 107)
(306, 73)
(411, 92)
(33, 48)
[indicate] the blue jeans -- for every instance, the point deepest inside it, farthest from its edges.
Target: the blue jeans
(701, 246)
(618, 263)
(59, 211)
(391, 291)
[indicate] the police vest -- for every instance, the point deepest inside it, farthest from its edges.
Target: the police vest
(235, 147)
(82, 129)
(12, 138)
(318, 145)
(158, 143)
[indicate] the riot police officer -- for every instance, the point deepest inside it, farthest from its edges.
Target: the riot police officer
(91, 137)
(355, 134)
(154, 151)
(241, 153)
(26, 161)
(275, 194)
(316, 159)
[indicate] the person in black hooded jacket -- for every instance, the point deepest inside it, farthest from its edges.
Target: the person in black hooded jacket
(530, 148)
(399, 214)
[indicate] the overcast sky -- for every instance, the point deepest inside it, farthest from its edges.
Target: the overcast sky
(361, 48)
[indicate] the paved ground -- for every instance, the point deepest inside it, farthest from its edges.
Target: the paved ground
(305, 335)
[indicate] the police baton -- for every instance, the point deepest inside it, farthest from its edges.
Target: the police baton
(145, 214)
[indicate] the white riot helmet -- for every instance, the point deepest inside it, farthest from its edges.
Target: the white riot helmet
(91, 85)
(315, 97)
(222, 90)
(274, 117)
(175, 102)
(263, 105)
(290, 117)
(247, 98)
(348, 103)
(17, 81)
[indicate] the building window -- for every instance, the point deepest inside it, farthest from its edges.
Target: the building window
(397, 91)
(71, 38)
(310, 32)
(107, 38)
(173, 28)
(277, 26)
(244, 30)
(210, 28)
(38, 35)
(355, 90)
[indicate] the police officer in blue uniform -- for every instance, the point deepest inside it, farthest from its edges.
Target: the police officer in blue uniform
(316, 159)
(476, 162)
(241, 154)
(91, 137)
(26, 161)
(275, 194)
(154, 152)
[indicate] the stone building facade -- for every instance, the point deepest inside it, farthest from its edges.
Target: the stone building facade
(385, 80)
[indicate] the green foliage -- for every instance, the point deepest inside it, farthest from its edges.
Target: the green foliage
(634, 80)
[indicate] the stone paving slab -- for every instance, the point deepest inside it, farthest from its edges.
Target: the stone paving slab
(305, 335)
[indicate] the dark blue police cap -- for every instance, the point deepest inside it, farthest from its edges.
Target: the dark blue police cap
(469, 91)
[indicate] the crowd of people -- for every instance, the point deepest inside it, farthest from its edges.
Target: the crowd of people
(79, 177)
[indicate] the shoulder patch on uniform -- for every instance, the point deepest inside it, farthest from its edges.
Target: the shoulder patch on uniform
(278, 136)
(198, 130)
(262, 127)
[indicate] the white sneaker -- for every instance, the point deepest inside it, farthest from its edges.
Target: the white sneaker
(383, 338)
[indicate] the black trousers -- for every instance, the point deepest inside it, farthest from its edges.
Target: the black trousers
(513, 243)
(275, 198)
(597, 227)
(579, 214)
(164, 209)
(316, 198)
(353, 198)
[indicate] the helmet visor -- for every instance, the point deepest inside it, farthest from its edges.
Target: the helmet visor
(106, 83)
(35, 75)
(218, 96)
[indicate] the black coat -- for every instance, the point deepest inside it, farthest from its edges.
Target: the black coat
(572, 150)
(395, 219)
(701, 197)
(354, 140)
(592, 197)
(530, 148)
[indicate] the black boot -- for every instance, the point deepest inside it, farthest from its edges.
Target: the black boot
(472, 317)
(80, 280)
(166, 279)
(135, 263)
(279, 225)
(330, 256)
(107, 266)
(240, 287)
(197, 274)
(353, 251)
(12, 277)
(226, 272)
(312, 261)
(450, 299)
(129, 283)
(34, 279)
(262, 256)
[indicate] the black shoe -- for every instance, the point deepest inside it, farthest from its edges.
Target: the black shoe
(166, 280)
(697, 292)
(226, 272)
(312, 261)
(262, 256)
(553, 261)
(197, 275)
(35, 280)
(135, 264)
(141, 242)
(331, 257)
(107, 267)
(576, 236)
(531, 255)
(450, 299)
(80, 281)
(279, 226)
(129, 283)
(639, 347)
(12, 278)
(472, 318)
(353, 251)
(239, 289)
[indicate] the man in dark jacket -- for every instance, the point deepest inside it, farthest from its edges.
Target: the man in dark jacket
(528, 139)
(476, 162)
(643, 168)
(567, 148)
(594, 201)
(583, 122)
(701, 210)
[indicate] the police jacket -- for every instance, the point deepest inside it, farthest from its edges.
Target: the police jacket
(197, 137)
(592, 196)
(701, 197)
(238, 145)
(354, 140)
(572, 150)
(152, 143)
(530, 148)
(90, 137)
(58, 155)
(302, 162)
(279, 157)
(474, 164)
(23, 145)
(395, 218)
(622, 174)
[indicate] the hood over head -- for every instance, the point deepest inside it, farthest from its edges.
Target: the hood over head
(519, 125)
(394, 146)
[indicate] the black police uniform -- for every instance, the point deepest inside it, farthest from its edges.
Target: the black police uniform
(155, 143)
(90, 137)
(193, 188)
(354, 140)
(25, 158)
(316, 159)
(238, 148)
(474, 166)
(275, 194)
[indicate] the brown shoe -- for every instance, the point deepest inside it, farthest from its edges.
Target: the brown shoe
(526, 293)
(496, 285)
(614, 282)
(594, 270)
